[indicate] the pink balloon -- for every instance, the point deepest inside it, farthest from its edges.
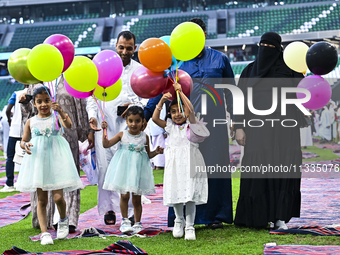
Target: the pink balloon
(110, 67)
(76, 93)
(64, 45)
(186, 82)
(147, 84)
(320, 90)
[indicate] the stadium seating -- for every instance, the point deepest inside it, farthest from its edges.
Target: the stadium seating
(286, 20)
(30, 36)
(161, 10)
(157, 27)
(73, 17)
(238, 68)
(7, 89)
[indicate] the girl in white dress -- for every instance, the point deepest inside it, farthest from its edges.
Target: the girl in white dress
(185, 179)
(48, 164)
(130, 169)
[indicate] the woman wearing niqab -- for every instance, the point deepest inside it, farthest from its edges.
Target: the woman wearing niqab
(269, 197)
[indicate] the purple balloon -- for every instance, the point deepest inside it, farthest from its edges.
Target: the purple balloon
(110, 67)
(76, 93)
(320, 90)
(146, 83)
(65, 46)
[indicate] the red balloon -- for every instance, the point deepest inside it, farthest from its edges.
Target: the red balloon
(147, 84)
(186, 82)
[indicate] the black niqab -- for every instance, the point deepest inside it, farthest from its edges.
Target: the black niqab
(267, 57)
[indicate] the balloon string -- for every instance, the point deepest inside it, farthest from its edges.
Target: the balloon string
(103, 117)
(55, 113)
(180, 101)
(105, 132)
(171, 79)
(176, 72)
(184, 100)
(55, 90)
(95, 99)
(55, 100)
(173, 74)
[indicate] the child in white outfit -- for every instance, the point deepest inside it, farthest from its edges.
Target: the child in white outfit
(183, 184)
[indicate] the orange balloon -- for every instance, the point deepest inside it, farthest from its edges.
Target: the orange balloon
(155, 55)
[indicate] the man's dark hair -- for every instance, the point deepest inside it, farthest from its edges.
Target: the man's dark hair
(127, 35)
(199, 22)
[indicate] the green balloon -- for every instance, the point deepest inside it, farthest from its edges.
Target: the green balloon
(17, 67)
(111, 92)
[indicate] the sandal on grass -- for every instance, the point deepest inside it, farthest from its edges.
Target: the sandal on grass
(110, 216)
(215, 225)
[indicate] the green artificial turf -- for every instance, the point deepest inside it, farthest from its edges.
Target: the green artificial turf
(229, 240)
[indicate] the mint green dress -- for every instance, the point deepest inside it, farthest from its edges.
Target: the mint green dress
(51, 165)
(130, 168)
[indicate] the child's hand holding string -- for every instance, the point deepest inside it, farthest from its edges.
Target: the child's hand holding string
(56, 107)
(104, 125)
(177, 86)
(27, 147)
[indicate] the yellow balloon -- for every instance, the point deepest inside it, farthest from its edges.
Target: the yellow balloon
(45, 62)
(82, 75)
(111, 92)
(187, 41)
(294, 56)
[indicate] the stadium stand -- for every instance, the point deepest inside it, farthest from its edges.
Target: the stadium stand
(286, 20)
(8, 86)
(245, 22)
(30, 36)
(156, 27)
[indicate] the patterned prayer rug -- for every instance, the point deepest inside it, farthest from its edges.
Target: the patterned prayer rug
(120, 247)
(14, 208)
(300, 249)
(154, 220)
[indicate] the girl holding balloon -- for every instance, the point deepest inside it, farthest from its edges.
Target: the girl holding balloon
(80, 131)
(45, 62)
(39, 170)
(183, 184)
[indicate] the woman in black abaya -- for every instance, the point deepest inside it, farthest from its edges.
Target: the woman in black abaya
(269, 197)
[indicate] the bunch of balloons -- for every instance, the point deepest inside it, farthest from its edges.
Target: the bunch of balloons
(159, 59)
(45, 62)
(321, 58)
(99, 77)
(83, 77)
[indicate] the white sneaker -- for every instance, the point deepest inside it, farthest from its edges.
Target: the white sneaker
(190, 233)
(137, 227)
(280, 224)
(125, 226)
(63, 229)
(7, 189)
(178, 230)
(46, 238)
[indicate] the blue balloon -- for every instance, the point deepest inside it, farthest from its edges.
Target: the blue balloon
(166, 39)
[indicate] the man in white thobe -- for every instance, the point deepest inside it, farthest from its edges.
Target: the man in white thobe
(125, 46)
(325, 125)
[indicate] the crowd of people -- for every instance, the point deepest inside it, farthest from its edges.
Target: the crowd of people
(50, 169)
